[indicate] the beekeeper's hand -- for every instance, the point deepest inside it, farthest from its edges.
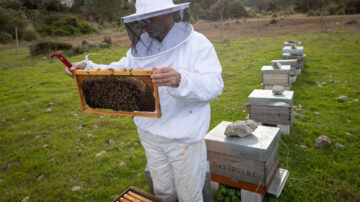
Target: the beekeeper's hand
(75, 66)
(166, 76)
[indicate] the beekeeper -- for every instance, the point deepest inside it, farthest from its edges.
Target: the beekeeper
(188, 74)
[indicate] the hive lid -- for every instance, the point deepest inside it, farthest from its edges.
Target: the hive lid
(267, 98)
(287, 55)
(288, 49)
(287, 43)
(285, 69)
(258, 146)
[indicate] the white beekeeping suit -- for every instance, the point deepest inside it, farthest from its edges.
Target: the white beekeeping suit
(174, 144)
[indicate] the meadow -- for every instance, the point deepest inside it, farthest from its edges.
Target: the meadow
(50, 149)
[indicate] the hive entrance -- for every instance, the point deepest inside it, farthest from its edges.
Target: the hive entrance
(118, 93)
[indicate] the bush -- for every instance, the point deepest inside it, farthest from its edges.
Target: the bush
(5, 38)
(29, 35)
(46, 47)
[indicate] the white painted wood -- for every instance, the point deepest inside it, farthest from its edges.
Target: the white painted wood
(285, 129)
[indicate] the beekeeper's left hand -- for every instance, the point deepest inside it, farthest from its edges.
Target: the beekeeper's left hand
(166, 76)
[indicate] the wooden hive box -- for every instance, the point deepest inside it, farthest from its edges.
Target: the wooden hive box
(118, 92)
(289, 49)
(266, 107)
(249, 163)
(290, 43)
(300, 59)
(291, 62)
(134, 194)
(271, 76)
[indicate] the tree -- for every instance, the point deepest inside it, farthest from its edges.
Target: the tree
(197, 11)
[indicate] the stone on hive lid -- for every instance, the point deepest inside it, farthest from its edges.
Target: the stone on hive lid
(278, 90)
(291, 62)
(240, 128)
(276, 65)
(293, 46)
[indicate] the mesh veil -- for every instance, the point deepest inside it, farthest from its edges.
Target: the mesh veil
(143, 45)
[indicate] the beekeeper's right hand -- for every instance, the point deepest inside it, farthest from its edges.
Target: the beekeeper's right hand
(75, 66)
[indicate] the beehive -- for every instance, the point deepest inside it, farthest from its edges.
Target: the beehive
(118, 92)
(300, 59)
(134, 194)
(291, 62)
(289, 49)
(272, 76)
(290, 43)
(266, 107)
(249, 163)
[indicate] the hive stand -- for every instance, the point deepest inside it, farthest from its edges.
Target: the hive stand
(207, 189)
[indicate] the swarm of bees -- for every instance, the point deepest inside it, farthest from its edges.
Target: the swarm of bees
(119, 94)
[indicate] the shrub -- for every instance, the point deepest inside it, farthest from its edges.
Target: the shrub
(45, 47)
(5, 38)
(29, 35)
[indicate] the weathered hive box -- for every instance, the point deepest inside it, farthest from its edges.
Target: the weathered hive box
(290, 43)
(272, 76)
(292, 63)
(249, 163)
(300, 60)
(266, 107)
(289, 49)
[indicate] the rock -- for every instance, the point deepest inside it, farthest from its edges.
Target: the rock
(50, 104)
(75, 114)
(4, 120)
(26, 199)
(111, 142)
(348, 120)
(337, 145)
(300, 116)
(342, 97)
(276, 65)
(355, 100)
(238, 129)
(37, 137)
(278, 90)
(40, 177)
(252, 124)
(132, 148)
(75, 188)
(322, 141)
(52, 159)
(293, 46)
(48, 110)
(119, 148)
(122, 163)
(100, 154)
(23, 119)
(348, 134)
(45, 146)
(317, 113)
(1, 180)
(301, 107)
(323, 83)
(303, 146)
(319, 85)
(89, 135)
(95, 126)
(351, 102)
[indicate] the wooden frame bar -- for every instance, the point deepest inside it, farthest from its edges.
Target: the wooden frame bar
(143, 75)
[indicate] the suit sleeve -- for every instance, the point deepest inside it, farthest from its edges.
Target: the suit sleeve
(204, 82)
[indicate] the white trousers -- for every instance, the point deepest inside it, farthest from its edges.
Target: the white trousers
(177, 169)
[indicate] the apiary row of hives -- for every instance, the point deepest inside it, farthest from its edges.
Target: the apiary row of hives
(251, 163)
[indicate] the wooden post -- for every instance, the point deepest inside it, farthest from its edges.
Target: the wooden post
(17, 40)
(221, 17)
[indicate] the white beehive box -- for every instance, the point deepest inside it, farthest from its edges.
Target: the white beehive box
(271, 76)
(291, 62)
(290, 43)
(266, 107)
(289, 49)
(250, 163)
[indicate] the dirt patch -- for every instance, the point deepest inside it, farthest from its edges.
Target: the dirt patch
(119, 94)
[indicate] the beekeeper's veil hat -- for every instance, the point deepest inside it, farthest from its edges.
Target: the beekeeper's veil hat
(142, 44)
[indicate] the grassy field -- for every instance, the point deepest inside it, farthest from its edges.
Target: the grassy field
(48, 146)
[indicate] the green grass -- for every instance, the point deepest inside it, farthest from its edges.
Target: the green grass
(28, 86)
